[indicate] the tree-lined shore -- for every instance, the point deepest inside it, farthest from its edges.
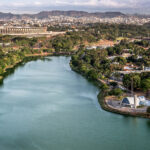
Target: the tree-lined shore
(98, 64)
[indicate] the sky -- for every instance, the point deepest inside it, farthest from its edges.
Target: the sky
(34, 6)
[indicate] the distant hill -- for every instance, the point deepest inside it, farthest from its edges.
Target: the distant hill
(108, 14)
(142, 16)
(46, 14)
(6, 15)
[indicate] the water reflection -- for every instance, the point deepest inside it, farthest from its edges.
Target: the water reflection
(148, 123)
(10, 71)
(46, 106)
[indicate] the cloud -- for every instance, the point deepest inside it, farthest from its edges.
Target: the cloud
(112, 3)
(18, 4)
(100, 3)
(37, 3)
(104, 3)
(115, 5)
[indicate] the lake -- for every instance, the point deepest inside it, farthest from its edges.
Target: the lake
(44, 105)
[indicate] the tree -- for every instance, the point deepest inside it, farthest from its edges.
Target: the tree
(117, 75)
(104, 88)
(127, 81)
(114, 84)
(1, 53)
(92, 74)
(145, 85)
(116, 92)
(148, 109)
(121, 60)
(1, 70)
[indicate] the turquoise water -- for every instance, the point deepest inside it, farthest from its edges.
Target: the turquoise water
(46, 106)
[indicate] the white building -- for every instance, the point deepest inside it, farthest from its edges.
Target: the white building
(134, 102)
(147, 68)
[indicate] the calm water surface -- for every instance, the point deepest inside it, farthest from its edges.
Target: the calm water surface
(46, 106)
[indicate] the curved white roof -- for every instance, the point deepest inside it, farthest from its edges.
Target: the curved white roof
(130, 101)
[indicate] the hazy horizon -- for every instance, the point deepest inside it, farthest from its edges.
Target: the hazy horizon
(35, 6)
(27, 11)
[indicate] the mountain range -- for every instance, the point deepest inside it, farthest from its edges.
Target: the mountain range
(46, 14)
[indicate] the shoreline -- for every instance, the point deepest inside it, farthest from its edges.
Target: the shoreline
(101, 96)
(102, 101)
(104, 106)
(27, 58)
